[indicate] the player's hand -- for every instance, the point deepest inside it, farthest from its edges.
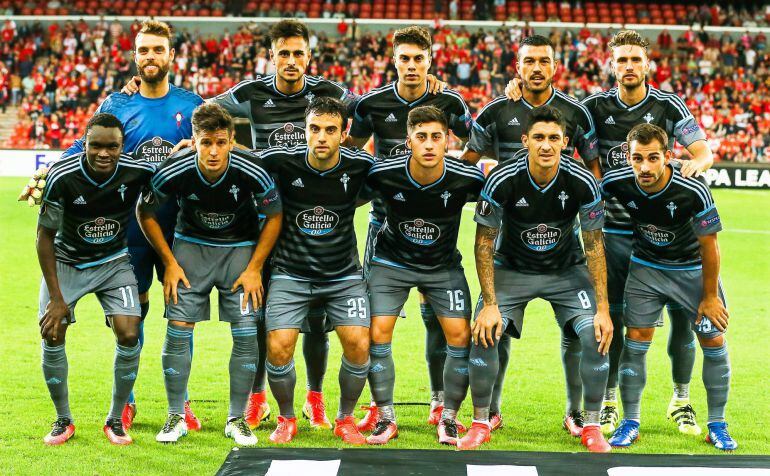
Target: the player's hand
(33, 191)
(182, 144)
(132, 87)
(689, 168)
(251, 282)
(716, 312)
(435, 85)
(51, 322)
(513, 89)
(174, 273)
(488, 326)
(603, 331)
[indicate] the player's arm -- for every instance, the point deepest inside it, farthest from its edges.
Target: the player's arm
(488, 326)
(711, 305)
(361, 127)
(595, 169)
(593, 242)
(702, 159)
(148, 222)
(51, 322)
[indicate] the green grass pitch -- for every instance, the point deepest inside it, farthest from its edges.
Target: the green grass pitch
(533, 399)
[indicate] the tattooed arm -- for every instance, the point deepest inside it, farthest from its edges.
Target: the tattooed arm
(597, 267)
(488, 326)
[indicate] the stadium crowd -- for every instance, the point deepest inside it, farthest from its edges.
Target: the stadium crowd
(57, 75)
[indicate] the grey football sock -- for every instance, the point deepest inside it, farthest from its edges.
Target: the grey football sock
(593, 365)
(483, 366)
(716, 379)
(382, 374)
(681, 346)
(55, 371)
(260, 376)
(435, 348)
(126, 368)
(616, 347)
(504, 354)
(570, 359)
(176, 360)
(242, 366)
(283, 379)
(456, 375)
(633, 376)
(352, 379)
(315, 348)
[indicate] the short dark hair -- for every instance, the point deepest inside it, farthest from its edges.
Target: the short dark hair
(211, 117)
(646, 133)
(289, 29)
(425, 114)
(546, 114)
(413, 35)
(104, 119)
(328, 105)
(156, 28)
(535, 40)
(629, 38)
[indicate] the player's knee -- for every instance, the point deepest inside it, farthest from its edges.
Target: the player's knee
(640, 334)
(280, 348)
(128, 337)
(356, 353)
(381, 330)
(711, 341)
(458, 336)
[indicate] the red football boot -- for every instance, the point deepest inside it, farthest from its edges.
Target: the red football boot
(127, 417)
(346, 429)
(478, 434)
(447, 432)
(385, 431)
(315, 411)
(257, 409)
(193, 424)
(495, 420)
(573, 423)
(285, 431)
(115, 433)
(61, 431)
(369, 421)
(593, 439)
(435, 415)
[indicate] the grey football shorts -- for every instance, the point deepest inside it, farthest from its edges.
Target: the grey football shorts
(648, 289)
(113, 283)
(371, 235)
(570, 293)
(206, 268)
(288, 302)
(618, 253)
(446, 290)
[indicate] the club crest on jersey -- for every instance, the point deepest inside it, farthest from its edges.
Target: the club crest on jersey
(309, 96)
(99, 231)
(563, 199)
(541, 238)
(671, 207)
(345, 179)
(179, 118)
(288, 135)
(215, 221)
(445, 196)
(656, 236)
(122, 191)
(234, 191)
(154, 150)
(648, 117)
(419, 231)
(618, 156)
(317, 221)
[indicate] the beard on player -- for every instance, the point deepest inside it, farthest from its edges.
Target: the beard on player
(153, 71)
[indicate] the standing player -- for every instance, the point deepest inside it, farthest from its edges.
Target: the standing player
(675, 258)
(382, 113)
(536, 199)
(88, 201)
(154, 120)
(615, 112)
(424, 195)
(316, 262)
(497, 133)
(217, 244)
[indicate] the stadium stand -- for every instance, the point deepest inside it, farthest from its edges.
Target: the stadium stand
(56, 75)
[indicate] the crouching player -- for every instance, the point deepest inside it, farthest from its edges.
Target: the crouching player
(220, 191)
(675, 260)
(316, 262)
(88, 200)
(424, 194)
(535, 200)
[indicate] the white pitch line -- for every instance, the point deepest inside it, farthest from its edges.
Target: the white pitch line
(467, 208)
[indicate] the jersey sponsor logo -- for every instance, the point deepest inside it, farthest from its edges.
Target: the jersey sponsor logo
(419, 231)
(154, 150)
(391, 118)
(594, 214)
(99, 231)
(317, 221)
(610, 120)
(618, 156)
(399, 149)
(522, 202)
(709, 221)
(656, 236)
(79, 201)
(690, 129)
(514, 122)
(214, 220)
(484, 208)
(648, 117)
(298, 183)
(541, 238)
(287, 136)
